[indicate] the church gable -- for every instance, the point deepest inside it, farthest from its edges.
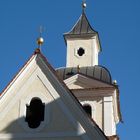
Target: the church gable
(37, 90)
(80, 81)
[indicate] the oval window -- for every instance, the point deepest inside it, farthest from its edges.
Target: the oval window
(35, 113)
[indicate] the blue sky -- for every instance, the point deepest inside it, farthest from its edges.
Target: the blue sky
(117, 23)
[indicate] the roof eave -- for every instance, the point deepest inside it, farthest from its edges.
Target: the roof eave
(84, 35)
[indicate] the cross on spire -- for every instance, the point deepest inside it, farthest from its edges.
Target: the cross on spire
(40, 31)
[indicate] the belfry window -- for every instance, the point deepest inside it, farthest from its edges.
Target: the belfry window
(35, 113)
(88, 109)
(80, 51)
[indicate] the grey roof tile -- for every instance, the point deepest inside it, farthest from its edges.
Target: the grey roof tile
(97, 72)
(82, 27)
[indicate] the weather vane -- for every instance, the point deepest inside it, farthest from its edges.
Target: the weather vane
(40, 39)
(84, 5)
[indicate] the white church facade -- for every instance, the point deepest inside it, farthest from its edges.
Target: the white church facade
(76, 102)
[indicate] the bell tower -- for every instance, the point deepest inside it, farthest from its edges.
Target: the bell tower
(83, 45)
(91, 83)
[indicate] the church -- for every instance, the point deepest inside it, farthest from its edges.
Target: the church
(76, 102)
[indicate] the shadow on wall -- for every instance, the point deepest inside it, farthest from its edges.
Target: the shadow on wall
(43, 121)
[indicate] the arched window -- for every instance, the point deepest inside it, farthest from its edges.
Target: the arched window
(88, 109)
(35, 113)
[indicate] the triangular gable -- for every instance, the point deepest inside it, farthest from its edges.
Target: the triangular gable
(80, 81)
(36, 73)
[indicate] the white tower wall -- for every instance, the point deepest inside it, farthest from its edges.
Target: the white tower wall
(88, 58)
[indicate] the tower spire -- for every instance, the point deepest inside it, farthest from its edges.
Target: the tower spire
(84, 5)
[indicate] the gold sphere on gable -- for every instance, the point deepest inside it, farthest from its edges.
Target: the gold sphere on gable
(40, 41)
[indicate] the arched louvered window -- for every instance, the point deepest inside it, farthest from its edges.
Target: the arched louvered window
(35, 113)
(88, 109)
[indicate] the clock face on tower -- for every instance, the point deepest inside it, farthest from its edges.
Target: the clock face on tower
(80, 51)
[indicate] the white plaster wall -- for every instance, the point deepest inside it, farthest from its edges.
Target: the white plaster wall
(93, 106)
(96, 104)
(12, 118)
(90, 58)
(102, 102)
(95, 51)
(102, 112)
(109, 121)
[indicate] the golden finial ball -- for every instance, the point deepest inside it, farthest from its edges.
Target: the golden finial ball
(84, 5)
(40, 41)
(115, 82)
